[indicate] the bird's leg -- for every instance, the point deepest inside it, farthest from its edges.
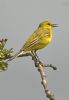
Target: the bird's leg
(36, 59)
(35, 56)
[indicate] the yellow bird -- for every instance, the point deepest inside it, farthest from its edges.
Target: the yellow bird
(40, 38)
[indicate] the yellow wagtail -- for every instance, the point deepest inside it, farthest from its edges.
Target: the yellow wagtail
(40, 38)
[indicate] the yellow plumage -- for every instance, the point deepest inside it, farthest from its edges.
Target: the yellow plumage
(40, 38)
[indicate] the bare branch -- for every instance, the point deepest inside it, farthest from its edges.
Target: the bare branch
(41, 67)
(48, 93)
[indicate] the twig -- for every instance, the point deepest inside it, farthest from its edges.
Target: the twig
(48, 93)
(40, 65)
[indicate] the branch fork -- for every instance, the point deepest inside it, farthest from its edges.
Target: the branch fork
(40, 66)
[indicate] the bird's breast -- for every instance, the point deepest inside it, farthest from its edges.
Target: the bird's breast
(47, 38)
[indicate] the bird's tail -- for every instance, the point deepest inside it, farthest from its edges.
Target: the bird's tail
(15, 56)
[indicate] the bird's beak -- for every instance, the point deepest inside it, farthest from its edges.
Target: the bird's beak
(54, 25)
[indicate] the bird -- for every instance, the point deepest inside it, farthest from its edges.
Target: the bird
(39, 39)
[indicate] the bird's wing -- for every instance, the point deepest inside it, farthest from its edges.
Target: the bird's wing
(34, 38)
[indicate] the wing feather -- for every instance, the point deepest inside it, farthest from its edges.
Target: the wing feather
(35, 38)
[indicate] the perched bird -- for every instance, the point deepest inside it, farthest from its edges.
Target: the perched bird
(40, 38)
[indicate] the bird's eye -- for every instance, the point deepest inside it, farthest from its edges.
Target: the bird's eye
(49, 24)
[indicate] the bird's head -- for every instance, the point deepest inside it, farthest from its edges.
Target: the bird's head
(47, 24)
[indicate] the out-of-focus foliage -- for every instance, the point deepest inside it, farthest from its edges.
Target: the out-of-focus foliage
(3, 66)
(4, 55)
